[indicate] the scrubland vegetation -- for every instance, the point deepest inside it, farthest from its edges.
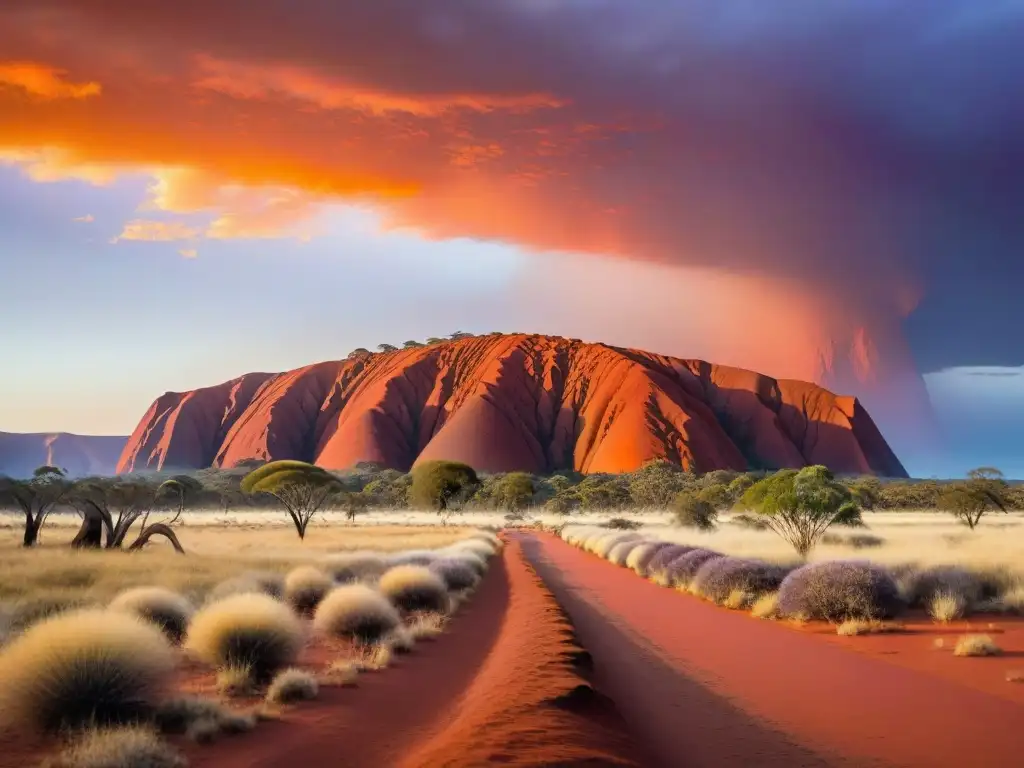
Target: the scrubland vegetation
(98, 671)
(799, 545)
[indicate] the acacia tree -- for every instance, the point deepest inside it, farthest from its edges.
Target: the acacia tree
(985, 489)
(441, 485)
(301, 488)
(36, 497)
(111, 507)
(800, 506)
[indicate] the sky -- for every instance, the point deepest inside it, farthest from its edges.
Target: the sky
(813, 189)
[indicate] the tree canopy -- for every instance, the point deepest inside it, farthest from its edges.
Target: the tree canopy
(800, 505)
(440, 485)
(302, 488)
(985, 489)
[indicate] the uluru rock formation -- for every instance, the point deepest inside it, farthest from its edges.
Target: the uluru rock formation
(21, 454)
(512, 402)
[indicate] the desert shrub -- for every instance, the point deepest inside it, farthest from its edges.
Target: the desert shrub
(249, 630)
(457, 574)
(355, 566)
(166, 609)
(620, 552)
(422, 557)
(718, 577)
(947, 606)
(839, 590)
(976, 645)
(83, 668)
(680, 572)
(291, 685)
(356, 611)
(236, 679)
(664, 556)
(258, 582)
(639, 557)
(415, 588)
(442, 486)
(692, 510)
(924, 585)
(622, 524)
(125, 747)
(306, 586)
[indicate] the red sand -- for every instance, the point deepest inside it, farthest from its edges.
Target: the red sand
(499, 687)
(703, 686)
(914, 647)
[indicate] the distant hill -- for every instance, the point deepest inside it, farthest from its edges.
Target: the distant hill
(512, 402)
(80, 455)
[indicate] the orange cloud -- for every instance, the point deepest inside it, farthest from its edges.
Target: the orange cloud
(188, 253)
(156, 231)
(87, 219)
(44, 82)
(51, 164)
(265, 81)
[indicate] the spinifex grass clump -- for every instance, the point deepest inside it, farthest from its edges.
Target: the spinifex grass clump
(923, 586)
(166, 609)
(412, 557)
(415, 588)
(82, 669)
(358, 612)
(603, 547)
(306, 586)
(355, 566)
(292, 685)
(680, 572)
(839, 590)
(620, 552)
(458, 574)
(640, 557)
(718, 578)
(250, 631)
(124, 747)
(663, 557)
(258, 582)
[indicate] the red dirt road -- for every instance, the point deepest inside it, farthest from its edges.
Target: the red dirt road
(702, 686)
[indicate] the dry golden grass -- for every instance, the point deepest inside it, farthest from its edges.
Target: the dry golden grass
(35, 582)
(83, 668)
(738, 600)
(292, 685)
(947, 607)
(854, 627)
(415, 588)
(356, 611)
(976, 645)
(247, 630)
(127, 747)
(427, 626)
(766, 606)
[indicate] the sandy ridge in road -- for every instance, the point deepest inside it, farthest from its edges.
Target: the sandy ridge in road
(702, 686)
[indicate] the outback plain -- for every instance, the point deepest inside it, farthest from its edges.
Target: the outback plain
(493, 621)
